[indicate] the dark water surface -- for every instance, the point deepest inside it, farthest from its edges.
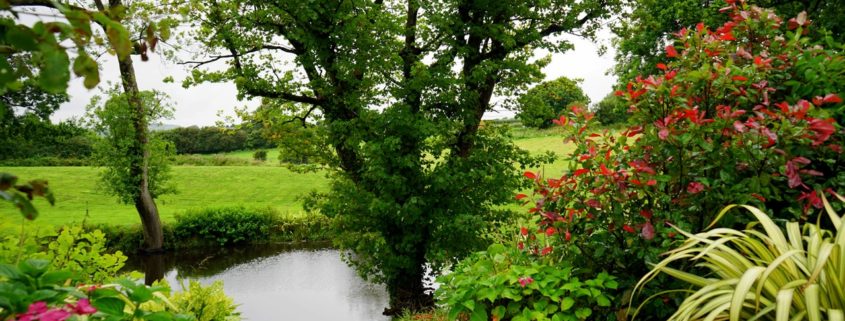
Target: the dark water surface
(276, 282)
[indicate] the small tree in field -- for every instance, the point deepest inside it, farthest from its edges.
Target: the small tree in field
(113, 120)
(548, 100)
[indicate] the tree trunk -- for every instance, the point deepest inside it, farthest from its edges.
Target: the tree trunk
(408, 293)
(144, 202)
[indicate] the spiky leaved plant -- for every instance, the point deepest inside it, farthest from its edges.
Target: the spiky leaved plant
(760, 273)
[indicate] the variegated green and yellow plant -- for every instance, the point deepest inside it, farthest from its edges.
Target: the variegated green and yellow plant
(762, 273)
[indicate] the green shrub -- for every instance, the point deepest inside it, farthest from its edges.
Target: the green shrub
(208, 303)
(260, 155)
(46, 161)
(83, 253)
(545, 102)
(504, 283)
(762, 273)
(225, 225)
(209, 160)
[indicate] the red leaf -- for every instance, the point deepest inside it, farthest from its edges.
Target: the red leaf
(671, 52)
(651, 182)
(671, 74)
(605, 171)
(567, 236)
(648, 231)
(628, 229)
(523, 230)
(530, 175)
(832, 99)
(823, 129)
(579, 172)
(739, 126)
(695, 187)
(661, 66)
(759, 197)
(646, 213)
(546, 250)
(663, 134)
(739, 78)
(792, 174)
(550, 231)
(520, 196)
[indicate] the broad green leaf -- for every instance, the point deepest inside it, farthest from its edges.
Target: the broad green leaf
(109, 305)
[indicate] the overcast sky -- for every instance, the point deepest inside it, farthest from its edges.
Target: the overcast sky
(201, 105)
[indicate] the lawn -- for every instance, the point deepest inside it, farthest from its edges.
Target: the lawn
(77, 192)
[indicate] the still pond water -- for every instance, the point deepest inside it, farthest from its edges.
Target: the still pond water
(277, 282)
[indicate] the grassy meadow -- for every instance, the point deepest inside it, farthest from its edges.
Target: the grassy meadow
(79, 197)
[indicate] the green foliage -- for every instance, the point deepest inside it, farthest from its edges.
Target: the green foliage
(260, 155)
(206, 303)
(717, 125)
(29, 140)
(21, 195)
(113, 119)
(548, 100)
(71, 249)
(210, 160)
(611, 110)
(225, 225)
(762, 273)
(642, 36)
(211, 140)
(504, 283)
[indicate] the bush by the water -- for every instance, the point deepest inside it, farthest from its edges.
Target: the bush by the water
(223, 226)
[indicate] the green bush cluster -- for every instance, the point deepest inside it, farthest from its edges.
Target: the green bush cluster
(504, 283)
(260, 155)
(209, 160)
(46, 161)
(206, 303)
(223, 227)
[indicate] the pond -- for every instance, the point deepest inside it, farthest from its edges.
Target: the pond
(276, 282)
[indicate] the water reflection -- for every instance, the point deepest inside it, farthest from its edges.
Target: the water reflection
(278, 282)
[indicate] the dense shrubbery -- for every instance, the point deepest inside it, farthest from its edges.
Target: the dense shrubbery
(210, 160)
(735, 116)
(222, 227)
(506, 283)
(211, 140)
(32, 139)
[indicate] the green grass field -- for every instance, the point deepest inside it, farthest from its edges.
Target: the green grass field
(77, 192)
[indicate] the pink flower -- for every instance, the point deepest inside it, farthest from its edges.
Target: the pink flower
(82, 307)
(525, 280)
(54, 315)
(37, 308)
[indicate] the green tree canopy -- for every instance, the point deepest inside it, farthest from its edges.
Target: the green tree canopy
(112, 119)
(400, 88)
(548, 100)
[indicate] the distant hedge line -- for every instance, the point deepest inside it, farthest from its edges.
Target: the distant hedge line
(224, 226)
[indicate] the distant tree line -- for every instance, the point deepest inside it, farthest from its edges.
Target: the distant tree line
(211, 140)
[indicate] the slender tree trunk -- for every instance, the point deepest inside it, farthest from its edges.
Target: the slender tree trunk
(144, 202)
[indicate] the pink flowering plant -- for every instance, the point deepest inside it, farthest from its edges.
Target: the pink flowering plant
(722, 123)
(31, 291)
